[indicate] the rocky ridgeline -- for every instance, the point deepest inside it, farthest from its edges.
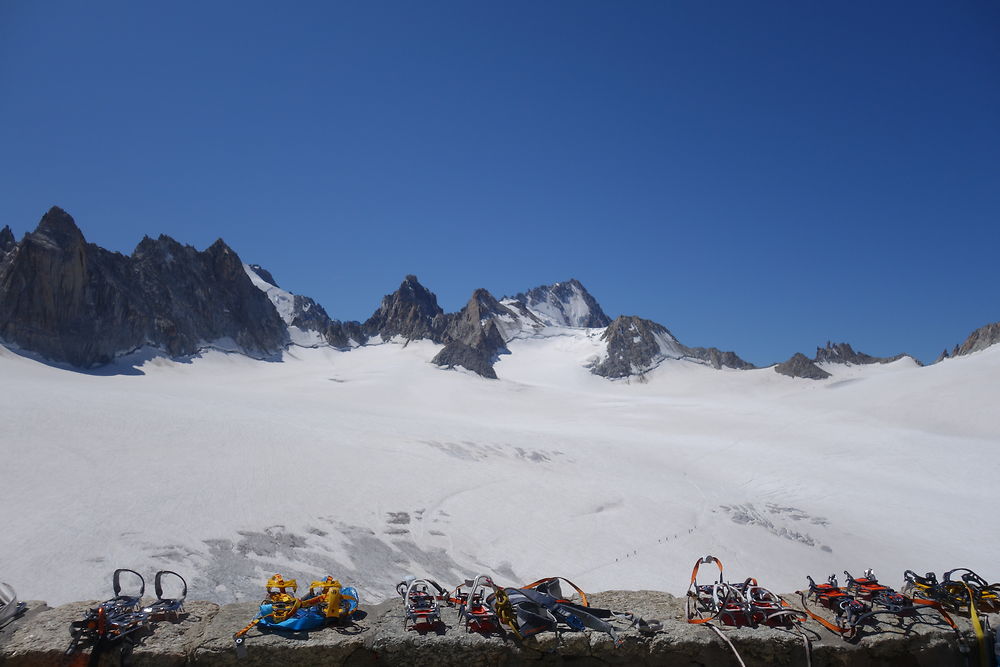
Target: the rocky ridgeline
(205, 637)
(801, 366)
(980, 339)
(73, 302)
(636, 346)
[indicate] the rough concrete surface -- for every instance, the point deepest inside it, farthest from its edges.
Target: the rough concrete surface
(204, 636)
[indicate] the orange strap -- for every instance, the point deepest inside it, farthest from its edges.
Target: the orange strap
(707, 559)
(693, 589)
(825, 623)
(545, 580)
(937, 605)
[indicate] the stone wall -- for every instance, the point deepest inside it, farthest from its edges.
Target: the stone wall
(205, 637)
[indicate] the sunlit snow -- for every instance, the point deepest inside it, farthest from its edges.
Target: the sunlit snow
(371, 463)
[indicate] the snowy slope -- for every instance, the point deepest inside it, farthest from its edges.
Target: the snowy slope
(284, 303)
(371, 463)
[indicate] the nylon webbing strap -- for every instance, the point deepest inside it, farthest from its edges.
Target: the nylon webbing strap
(693, 590)
(822, 621)
(706, 559)
(977, 628)
(937, 606)
(545, 580)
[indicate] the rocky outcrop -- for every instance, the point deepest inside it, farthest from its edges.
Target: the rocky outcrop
(264, 274)
(7, 241)
(843, 353)
(801, 366)
(204, 636)
(72, 301)
(980, 339)
(566, 304)
(412, 312)
(717, 358)
(635, 346)
(303, 314)
(474, 340)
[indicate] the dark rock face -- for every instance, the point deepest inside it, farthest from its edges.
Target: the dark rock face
(473, 339)
(980, 339)
(264, 274)
(310, 316)
(343, 334)
(718, 358)
(72, 301)
(305, 314)
(7, 241)
(412, 311)
(566, 304)
(635, 346)
(801, 366)
(843, 353)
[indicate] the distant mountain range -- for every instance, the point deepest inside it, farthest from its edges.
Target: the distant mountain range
(74, 302)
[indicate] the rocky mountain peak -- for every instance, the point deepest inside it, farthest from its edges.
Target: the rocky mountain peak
(980, 339)
(635, 346)
(75, 302)
(7, 241)
(57, 228)
(485, 305)
(843, 353)
(801, 366)
(473, 340)
(161, 249)
(567, 304)
(412, 311)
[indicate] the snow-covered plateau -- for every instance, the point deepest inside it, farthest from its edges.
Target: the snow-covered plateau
(372, 463)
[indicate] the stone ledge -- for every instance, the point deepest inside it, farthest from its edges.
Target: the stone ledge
(204, 637)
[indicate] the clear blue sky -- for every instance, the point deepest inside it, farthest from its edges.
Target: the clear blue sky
(757, 176)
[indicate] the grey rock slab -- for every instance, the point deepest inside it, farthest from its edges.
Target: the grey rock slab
(44, 638)
(205, 637)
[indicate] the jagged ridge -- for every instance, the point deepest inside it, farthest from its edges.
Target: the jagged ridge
(75, 302)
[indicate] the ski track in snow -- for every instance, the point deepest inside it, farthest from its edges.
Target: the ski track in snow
(228, 470)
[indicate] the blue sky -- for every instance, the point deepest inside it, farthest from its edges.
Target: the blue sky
(758, 176)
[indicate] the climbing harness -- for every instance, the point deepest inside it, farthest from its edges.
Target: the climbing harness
(740, 604)
(420, 603)
(541, 606)
(113, 621)
(473, 610)
(10, 608)
(282, 610)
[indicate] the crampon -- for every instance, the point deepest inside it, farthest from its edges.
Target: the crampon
(328, 601)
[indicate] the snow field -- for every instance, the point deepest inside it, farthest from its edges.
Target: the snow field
(372, 463)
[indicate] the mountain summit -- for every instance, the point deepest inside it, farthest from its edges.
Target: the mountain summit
(412, 311)
(567, 304)
(72, 301)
